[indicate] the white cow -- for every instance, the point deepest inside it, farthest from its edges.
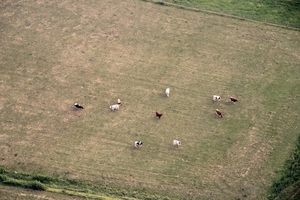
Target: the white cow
(138, 143)
(176, 143)
(114, 107)
(216, 98)
(168, 92)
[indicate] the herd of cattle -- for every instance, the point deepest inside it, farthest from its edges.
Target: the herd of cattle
(218, 98)
(159, 115)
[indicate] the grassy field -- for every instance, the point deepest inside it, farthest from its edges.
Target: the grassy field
(282, 12)
(56, 53)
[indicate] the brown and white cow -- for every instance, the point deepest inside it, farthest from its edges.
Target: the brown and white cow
(219, 113)
(232, 99)
(119, 102)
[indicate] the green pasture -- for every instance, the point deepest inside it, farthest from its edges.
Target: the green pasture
(56, 53)
(281, 12)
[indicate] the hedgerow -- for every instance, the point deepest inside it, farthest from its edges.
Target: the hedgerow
(288, 185)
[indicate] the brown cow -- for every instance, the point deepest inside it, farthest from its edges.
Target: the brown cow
(158, 114)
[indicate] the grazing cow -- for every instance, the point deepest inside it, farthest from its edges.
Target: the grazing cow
(158, 114)
(176, 143)
(232, 99)
(119, 102)
(114, 107)
(78, 106)
(138, 143)
(168, 92)
(216, 98)
(219, 113)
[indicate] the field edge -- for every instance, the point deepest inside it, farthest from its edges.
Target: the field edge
(221, 14)
(73, 187)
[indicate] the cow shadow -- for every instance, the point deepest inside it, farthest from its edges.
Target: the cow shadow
(228, 103)
(162, 96)
(172, 147)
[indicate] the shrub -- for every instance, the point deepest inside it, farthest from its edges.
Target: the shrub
(2, 170)
(14, 182)
(290, 177)
(3, 178)
(35, 185)
(42, 179)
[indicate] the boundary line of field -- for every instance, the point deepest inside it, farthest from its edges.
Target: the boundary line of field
(74, 187)
(163, 3)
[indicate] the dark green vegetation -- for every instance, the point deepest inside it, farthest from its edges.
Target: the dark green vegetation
(56, 53)
(71, 187)
(20, 180)
(288, 185)
(283, 12)
(14, 193)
